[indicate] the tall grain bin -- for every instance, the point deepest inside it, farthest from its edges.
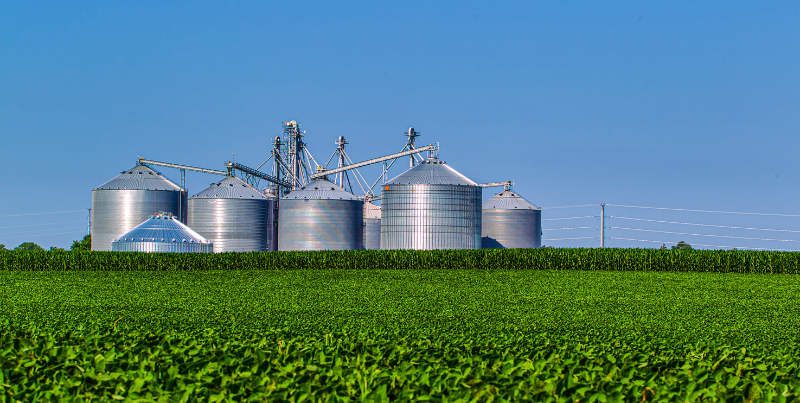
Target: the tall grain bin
(372, 226)
(320, 216)
(431, 206)
(162, 232)
(233, 215)
(509, 221)
(129, 199)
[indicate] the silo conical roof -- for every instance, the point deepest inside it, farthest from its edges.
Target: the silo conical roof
(432, 171)
(162, 227)
(140, 177)
(372, 210)
(230, 188)
(509, 200)
(320, 189)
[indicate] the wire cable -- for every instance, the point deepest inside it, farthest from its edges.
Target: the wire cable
(57, 233)
(557, 229)
(703, 225)
(567, 218)
(715, 236)
(33, 233)
(54, 212)
(699, 244)
(38, 225)
(580, 205)
(706, 211)
(561, 239)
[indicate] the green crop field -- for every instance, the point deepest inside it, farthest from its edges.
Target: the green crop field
(398, 335)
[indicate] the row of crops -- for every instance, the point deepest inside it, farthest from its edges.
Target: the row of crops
(184, 330)
(719, 261)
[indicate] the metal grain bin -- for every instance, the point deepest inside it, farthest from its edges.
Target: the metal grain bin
(320, 216)
(509, 221)
(372, 226)
(162, 232)
(431, 206)
(129, 199)
(234, 216)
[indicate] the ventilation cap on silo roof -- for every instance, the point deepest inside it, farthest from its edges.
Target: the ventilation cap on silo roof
(509, 200)
(140, 177)
(162, 226)
(320, 189)
(432, 171)
(230, 188)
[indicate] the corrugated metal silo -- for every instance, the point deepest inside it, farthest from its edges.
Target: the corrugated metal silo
(129, 199)
(372, 226)
(233, 215)
(162, 232)
(431, 206)
(320, 216)
(509, 221)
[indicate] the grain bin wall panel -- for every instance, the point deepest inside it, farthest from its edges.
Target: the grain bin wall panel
(512, 228)
(320, 224)
(233, 225)
(115, 212)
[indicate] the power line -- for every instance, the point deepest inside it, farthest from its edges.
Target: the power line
(705, 211)
(57, 233)
(556, 229)
(699, 244)
(715, 236)
(33, 233)
(703, 225)
(567, 218)
(54, 212)
(561, 239)
(580, 205)
(38, 225)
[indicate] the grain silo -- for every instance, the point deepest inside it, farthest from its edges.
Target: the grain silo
(129, 199)
(320, 216)
(234, 216)
(162, 232)
(372, 226)
(431, 206)
(509, 221)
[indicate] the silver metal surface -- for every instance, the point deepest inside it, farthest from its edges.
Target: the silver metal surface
(375, 161)
(234, 216)
(162, 232)
(186, 167)
(320, 216)
(372, 226)
(431, 206)
(510, 221)
(129, 199)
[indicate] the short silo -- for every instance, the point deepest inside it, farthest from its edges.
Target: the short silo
(233, 215)
(510, 221)
(320, 216)
(162, 232)
(372, 226)
(431, 206)
(129, 199)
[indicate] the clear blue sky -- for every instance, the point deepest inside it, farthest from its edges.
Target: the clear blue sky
(670, 104)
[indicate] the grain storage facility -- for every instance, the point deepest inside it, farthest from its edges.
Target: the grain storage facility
(509, 221)
(129, 199)
(431, 206)
(162, 232)
(372, 226)
(320, 216)
(234, 216)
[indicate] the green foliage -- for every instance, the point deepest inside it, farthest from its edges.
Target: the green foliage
(398, 335)
(28, 246)
(682, 246)
(719, 261)
(84, 244)
(2, 247)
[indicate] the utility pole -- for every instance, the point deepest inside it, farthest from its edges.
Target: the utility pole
(602, 225)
